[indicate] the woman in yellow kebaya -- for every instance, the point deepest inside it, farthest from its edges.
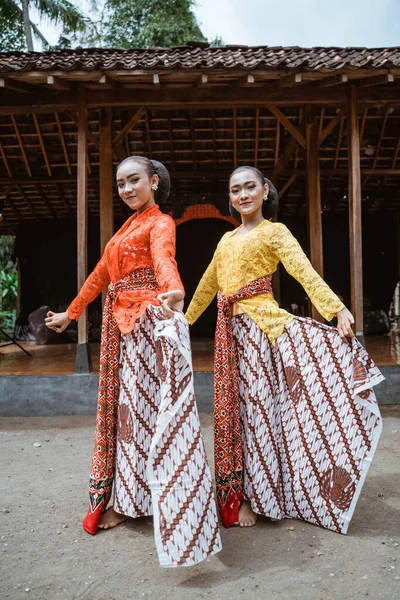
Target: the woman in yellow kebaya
(296, 419)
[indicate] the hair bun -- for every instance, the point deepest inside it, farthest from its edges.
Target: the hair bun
(271, 208)
(164, 184)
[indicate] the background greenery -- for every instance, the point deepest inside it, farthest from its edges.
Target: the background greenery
(8, 285)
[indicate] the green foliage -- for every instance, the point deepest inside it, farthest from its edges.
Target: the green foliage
(59, 12)
(144, 23)
(8, 284)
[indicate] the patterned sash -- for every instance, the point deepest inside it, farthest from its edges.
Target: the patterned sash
(103, 461)
(227, 431)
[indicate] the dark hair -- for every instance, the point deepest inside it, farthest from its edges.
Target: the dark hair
(153, 167)
(270, 206)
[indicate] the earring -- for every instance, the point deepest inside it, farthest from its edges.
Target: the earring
(265, 197)
(155, 187)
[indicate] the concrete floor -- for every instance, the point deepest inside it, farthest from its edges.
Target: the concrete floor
(45, 555)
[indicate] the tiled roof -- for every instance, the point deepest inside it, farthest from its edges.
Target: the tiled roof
(201, 56)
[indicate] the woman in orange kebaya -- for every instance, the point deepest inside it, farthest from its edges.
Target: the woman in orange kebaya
(296, 418)
(148, 441)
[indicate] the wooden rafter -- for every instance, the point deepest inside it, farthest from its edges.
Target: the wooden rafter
(28, 202)
(59, 84)
(63, 198)
(287, 154)
(94, 139)
(331, 125)
(287, 185)
(339, 142)
(21, 145)
(256, 137)
(129, 126)
(245, 81)
(42, 194)
(148, 135)
(42, 146)
(214, 143)
(5, 161)
(376, 80)
(290, 80)
(171, 141)
(334, 80)
(193, 139)
(63, 144)
(202, 81)
(234, 138)
(321, 121)
(106, 81)
(277, 142)
(15, 86)
(381, 134)
(283, 119)
(363, 121)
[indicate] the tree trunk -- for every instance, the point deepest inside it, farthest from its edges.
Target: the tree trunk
(27, 25)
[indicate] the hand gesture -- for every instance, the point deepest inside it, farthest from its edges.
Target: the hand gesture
(171, 301)
(58, 322)
(345, 321)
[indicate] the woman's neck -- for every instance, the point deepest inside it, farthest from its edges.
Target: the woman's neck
(141, 210)
(251, 221)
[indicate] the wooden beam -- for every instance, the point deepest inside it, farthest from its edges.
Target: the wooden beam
(43, 196)
(106, 81)
(14, 86)
(277, 142)
(82, 214)
(39, 133)
(21, 145)
(339, 142)
(290, 80)
(129, 126)
(156, 80)
(381, 134)
(234, 138)
(333, 80)
(106, 178)
(355, 216)
(286, 155)
(331, 125)
(256, 137)
(90, 136)
(314, 197)
(63, 144)
(376, 80)
(171, 142)
(288, 125)
(245, 81)
(287, 185)
(148, 135)
(202, 81)
(28, 202)
(59, 84)
(5, 161)
(63, 198)
(214, 142)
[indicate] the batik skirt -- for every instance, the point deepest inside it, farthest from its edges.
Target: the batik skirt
(310, 421)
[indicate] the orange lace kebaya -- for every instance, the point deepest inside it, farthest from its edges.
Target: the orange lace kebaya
(144, 241)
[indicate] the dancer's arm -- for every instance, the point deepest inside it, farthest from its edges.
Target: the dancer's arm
(289, 252)
(94, 284)
(162, 247)
(204, 293)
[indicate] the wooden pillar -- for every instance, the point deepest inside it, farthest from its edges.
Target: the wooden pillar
(355, 221)
(105, 181)
(314, 198)
(83, 359)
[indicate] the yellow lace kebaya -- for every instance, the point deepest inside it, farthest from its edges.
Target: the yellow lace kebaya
(240, 259)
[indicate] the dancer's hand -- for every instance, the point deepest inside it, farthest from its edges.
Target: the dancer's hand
(58, 322)
(345, 321)
(171, 301)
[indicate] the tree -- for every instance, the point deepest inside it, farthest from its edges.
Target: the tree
(16, 14)
(144, 23)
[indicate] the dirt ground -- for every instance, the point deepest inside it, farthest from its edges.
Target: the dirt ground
(45, 554)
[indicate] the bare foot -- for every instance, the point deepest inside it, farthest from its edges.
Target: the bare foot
(247, 518)
(110, 519)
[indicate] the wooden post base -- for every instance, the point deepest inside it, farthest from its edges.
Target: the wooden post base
(83, 360)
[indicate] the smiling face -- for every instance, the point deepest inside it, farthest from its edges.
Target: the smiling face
(135, 187)
(246, 192)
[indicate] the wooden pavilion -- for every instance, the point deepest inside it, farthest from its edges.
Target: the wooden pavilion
(322, 123)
